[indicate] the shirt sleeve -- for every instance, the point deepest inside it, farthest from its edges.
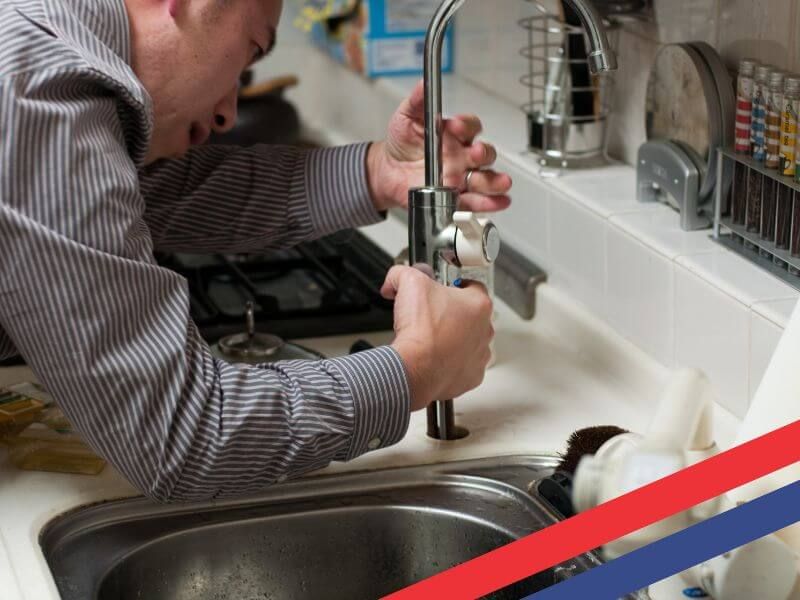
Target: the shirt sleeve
(228, 199)
(108, 331)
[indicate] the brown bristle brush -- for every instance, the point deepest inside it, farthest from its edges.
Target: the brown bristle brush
(557, 489)
(586, 442)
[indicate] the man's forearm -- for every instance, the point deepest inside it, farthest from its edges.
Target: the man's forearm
(225, 199)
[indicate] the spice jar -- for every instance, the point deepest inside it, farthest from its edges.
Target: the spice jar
(775, 99)
(758, 124)
(791, 107)
(744, 104)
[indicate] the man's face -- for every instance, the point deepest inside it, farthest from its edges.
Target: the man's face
(189, 54)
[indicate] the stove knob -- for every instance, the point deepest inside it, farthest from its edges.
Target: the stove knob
(477, 241)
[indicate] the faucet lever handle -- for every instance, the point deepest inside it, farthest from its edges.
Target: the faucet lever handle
(477, 241)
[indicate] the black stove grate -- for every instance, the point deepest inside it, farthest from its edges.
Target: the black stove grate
(322, 288)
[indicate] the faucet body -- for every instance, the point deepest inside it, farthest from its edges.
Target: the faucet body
(439, 236)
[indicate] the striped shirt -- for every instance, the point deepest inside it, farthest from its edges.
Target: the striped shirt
(106, 329)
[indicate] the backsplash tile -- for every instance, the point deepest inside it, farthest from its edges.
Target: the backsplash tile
(618, 195)
(660, 229)
(796, 63)
(764, 338)
(525, 225)
(637, 51)
(682, 20)
(577, 252)
(737, 277)
(640, 295)
(762, 29)
(777, 311)
(712, 333)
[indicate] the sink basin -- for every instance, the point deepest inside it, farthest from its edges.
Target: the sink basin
(350, 537)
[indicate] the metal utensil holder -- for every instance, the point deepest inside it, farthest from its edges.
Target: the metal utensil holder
(752, 238)
(557, 135)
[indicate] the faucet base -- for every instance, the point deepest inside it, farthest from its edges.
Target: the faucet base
(442, 424)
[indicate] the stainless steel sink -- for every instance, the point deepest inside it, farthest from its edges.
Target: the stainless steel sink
(355, 536)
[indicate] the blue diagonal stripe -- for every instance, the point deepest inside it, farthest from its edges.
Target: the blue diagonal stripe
(681, 551)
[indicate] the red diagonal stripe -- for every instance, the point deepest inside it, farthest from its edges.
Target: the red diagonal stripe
(613, 520)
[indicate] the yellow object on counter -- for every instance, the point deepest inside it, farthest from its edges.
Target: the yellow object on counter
(38, 435)
(17, 411)
(41, 449)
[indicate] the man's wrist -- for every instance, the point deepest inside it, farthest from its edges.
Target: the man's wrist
(417, 363)
(375, 157)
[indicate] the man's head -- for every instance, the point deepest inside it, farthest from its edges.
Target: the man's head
(189, 55)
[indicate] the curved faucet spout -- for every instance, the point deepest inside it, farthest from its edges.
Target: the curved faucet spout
(601, 59)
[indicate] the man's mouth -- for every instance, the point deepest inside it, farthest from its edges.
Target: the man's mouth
(198, 134)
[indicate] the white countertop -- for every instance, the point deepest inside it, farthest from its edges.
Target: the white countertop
(562, 371)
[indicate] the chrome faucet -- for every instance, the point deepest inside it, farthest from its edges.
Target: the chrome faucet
(439, 235)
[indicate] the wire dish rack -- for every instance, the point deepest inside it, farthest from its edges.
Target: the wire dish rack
(568, 109)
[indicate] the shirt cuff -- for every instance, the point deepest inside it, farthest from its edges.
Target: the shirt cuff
(337, 190)
(381, 398)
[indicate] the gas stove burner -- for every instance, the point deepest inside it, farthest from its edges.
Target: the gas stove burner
(322, 288)
(259, 348)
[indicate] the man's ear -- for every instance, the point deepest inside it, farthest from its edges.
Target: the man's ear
(175, 7)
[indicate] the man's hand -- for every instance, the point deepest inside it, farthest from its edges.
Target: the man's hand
(398, 164)
(443, 334)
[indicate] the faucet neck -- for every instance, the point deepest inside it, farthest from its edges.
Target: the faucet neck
(601, 58)
(433, 91)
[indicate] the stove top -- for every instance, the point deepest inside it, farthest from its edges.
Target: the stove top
(322, 288)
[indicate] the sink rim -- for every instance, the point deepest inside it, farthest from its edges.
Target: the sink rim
(478, 471)
(497, 484)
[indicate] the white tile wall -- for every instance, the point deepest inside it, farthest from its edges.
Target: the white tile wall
(640, 295)
(660, 230)
(777, 311)
(737, 277)
(764, 338)
(578, 252)
(527, 225)
(712, 332)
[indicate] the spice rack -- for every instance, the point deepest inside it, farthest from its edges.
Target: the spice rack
(758, 215)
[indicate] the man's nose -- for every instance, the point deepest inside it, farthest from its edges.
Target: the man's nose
(225, 112)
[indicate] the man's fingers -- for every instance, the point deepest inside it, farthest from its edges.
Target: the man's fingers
(464, 128)
(413, 107)
(481, 155)
(392, 282)
(398, 273)
(481, 203)
(489, 182)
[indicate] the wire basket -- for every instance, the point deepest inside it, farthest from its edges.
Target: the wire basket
(568, 109)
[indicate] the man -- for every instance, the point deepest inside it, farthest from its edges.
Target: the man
(101, 102)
